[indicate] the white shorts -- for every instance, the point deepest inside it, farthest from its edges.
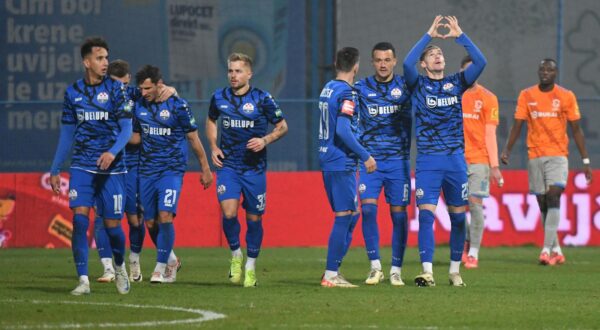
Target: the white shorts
(479, 180)
(547, 171)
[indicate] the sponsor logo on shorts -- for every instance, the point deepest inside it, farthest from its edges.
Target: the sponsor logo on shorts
(72, 194)
(221, 189)
(362, 188)
(419, 193)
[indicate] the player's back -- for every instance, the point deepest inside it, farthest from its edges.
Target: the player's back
(337, 98)
(480, 108)
(385, 117)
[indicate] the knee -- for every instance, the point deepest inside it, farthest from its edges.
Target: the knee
(552, 200)
(150, 224)
(369, 211)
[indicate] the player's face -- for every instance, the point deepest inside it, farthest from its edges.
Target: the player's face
(125, 80)
(384, 62)
(97, 61)
(239, 74)
(547, 72)
(434, 61)
(149, 90)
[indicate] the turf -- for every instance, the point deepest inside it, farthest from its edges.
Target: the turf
(509, 290)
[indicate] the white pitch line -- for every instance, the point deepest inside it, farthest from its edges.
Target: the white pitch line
(205, 316)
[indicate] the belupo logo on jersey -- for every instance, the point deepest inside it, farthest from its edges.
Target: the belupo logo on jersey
(372, 109)
(434, 101)
(248, 108)
(102, 97)
(164, 114)
(226, 122)
(396, 93)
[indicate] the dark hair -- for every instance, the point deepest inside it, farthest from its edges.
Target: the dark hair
(426, 50)
(148, 71)
(549, 60)
(384, 46)
(465, 60)
(118, 68)
(345, 59)
(90, 43)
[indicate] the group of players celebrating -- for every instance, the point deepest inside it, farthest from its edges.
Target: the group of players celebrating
(130, 154)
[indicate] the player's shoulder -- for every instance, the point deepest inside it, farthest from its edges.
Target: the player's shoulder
(258, 93)
(563, 91)
(220, 93)
(178, 101)
(76, 87)
(486, 92)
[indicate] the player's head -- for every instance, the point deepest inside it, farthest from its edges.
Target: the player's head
(547, 71)
(147, 79)
(239, 70)
(432, 59)
(94, 53)
(119, 70)
(383, 58)
(346, 60)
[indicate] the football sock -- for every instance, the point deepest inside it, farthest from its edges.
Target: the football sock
(396, 269)
(237, 253)
(474, 252)
(551, 226)
(107, 263)
(476, 226)
(337, 241)
(231, 228)
(250, 263)
(254, 237)
(136, 237)
(102, 240)
(329, 274)
(172, 257)
(427, 267)
(117, 242)
(376, 264)
(454, 267)
(84, 279)
(353, 222)
(370, 231)
(166, 238)
(79, 244)
(154, 234)
(457, 235)
(160, 268)
(426, 238)
(399, 237)
(134, 257)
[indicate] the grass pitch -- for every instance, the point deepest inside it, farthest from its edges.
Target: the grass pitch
(509, 290)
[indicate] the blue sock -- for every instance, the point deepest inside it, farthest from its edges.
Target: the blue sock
(370, 230)
(353, 223)
(166, 239)
(117, 242)
(136, 237)
(102, 240)
(426, 238)
(79, 243)
(337, 246)
(457, 235)
(254, 236)
(231, 228)
(399, 237)
(154, 234)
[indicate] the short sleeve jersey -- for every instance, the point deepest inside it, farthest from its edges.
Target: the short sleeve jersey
(95, 110)
(163, 127)
(337, 99)
(385, 117)
(480, 108)
(547, 114)
(243, 117)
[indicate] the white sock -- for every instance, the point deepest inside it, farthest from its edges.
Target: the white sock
(546, 250)
(250, 263)
(120, 268)
(84, 279)
(107, 263)
(134, 257)
(474, 252)
(329, 274)
(428, 267)
(397, 270)
(454, 267)
(172, 257)
(237, 253)
(376, 264)
(160, 268)
(557, 249)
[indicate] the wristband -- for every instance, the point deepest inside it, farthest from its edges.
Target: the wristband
(586, 161)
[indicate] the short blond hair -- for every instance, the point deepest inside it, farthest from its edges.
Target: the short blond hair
(234, 57)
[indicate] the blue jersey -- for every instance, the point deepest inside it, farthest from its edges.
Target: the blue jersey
(95, 111)
(163, 127)
(438, 115)
(385, 117)
(337, 98)
(132, 151)
(243, 117)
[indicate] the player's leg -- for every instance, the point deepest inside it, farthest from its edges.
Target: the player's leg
(229, 189)
(112, 192)
(479, 188)
(148, 196)
(341, 193)
(254, 190)
(103, 246)
(137, 230)
(81, 199)
(397, 195)
(369, 188)
(537, 186)
(556, 172)
(456, 194)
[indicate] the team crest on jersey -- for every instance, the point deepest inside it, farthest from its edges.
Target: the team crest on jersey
(72, 194)
(555, 105)
(221, 189)
(248, 107)
(419, 193)
(478, 105)
(396, 93)
(278, 113)
(102, 97)
(448, 86)
(164, 114)
(362, 188)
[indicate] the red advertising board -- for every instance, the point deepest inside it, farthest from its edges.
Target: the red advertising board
(298, 213)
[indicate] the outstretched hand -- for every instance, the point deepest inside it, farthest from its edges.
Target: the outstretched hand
(433, 30)
(452, 25)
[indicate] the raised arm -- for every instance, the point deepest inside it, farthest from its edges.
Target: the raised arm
(409, 66)
(478, 60)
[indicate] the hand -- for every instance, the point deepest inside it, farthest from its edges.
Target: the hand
(164, 92)
(206, 179)
(588, 173)
(55, 184)
(371, 164)
(216, 156)
(105, 160)
(455, 30)
(433, 30)
(256, 144)
(496, 175)
(504, 156)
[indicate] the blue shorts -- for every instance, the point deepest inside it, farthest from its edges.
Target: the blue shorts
(393, 176)
(105, 191)
(445, 173)
(160, 194)
(340, 187)
(230, 185)
(131, 186)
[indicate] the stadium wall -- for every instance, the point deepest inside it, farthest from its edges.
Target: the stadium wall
(298, 213)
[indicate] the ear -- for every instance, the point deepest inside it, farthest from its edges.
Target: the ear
(86, 62)
(423, 65)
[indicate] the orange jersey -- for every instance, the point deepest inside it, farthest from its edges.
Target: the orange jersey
(547, 114)
(480, 107)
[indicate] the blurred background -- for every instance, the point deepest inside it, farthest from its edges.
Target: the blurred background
(293, 44)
